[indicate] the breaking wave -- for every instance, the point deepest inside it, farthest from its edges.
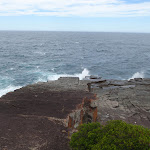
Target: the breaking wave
(137, 75)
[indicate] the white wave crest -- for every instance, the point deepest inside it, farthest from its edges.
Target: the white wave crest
(137, 75)
(8, 89)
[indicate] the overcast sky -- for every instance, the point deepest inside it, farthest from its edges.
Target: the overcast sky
(76, 15)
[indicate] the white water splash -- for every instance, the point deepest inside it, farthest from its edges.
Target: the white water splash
(81, 76)
(84, 73)
(137, 75)
(53, 76)
(46, 77)
(8, 89)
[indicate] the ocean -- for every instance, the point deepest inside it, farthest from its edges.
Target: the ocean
(28, 57)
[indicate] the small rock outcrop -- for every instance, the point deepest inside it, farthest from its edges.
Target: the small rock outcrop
(86, 112)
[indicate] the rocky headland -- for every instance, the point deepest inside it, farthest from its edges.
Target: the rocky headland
(42, 116)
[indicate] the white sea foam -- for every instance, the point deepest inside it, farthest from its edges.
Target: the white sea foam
(11, 68)
(8, 89)
(137, 75)
(40, 53)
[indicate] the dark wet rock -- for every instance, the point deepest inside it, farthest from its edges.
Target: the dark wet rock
(95, 77)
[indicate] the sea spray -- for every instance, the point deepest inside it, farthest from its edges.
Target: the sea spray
(84, 73)
(137, 75)
(45, 77)
(81, 76)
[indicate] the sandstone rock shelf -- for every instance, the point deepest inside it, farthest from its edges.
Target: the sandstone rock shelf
(42, 116)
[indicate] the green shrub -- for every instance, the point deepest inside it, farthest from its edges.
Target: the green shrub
(115, 135)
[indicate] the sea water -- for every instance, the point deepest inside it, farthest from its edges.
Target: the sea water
(28, 57)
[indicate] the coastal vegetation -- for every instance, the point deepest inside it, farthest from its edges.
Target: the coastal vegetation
(115, 135)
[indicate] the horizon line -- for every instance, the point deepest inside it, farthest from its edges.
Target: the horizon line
(75, 31)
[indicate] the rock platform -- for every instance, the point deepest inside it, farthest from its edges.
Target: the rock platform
(123, 100)
(43, 115)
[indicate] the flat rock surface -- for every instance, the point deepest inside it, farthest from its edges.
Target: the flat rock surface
(32, 118)
(124, 100)
(31, 133)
